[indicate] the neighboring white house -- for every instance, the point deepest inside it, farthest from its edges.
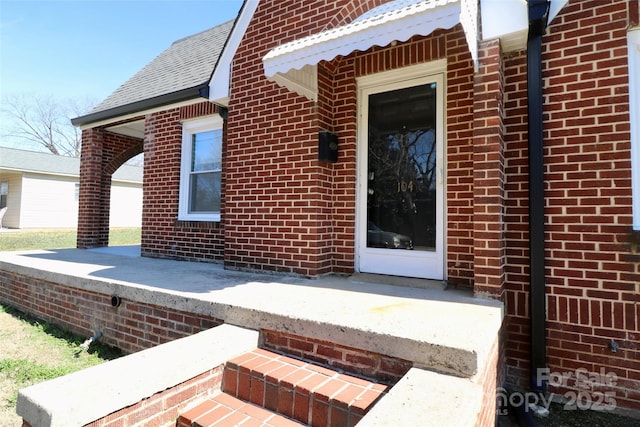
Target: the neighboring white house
(40, 190)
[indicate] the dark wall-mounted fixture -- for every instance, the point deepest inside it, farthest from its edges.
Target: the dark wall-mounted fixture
(327, 146)
(223, 112)
(115, 301)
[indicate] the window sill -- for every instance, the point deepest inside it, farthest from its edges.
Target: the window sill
(209, 225)
(199, 218)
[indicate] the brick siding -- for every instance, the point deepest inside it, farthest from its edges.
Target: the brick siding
(132, 327)
(163, 235)
(163, 408)
(593, 287)
(287, 212)
(103, 152)
(383, 368)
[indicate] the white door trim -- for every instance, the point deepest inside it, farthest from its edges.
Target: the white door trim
(401, 262)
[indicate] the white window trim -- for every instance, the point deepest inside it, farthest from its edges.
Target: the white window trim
(189, 128)
(633, 43)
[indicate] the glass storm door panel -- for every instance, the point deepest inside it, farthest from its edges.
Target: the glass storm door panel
(403, 189)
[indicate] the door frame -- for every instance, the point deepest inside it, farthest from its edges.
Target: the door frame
(402, 262)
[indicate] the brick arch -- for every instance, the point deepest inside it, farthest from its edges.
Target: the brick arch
(103, 152)
(124, 156)
(351, 11)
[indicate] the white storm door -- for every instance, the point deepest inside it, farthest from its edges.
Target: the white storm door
(400, 216)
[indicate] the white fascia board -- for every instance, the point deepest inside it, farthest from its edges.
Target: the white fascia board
(508, 20)
(503, 17)
(556, 6)
(221, 78)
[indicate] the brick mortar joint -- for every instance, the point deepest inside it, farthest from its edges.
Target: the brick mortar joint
(634, 247)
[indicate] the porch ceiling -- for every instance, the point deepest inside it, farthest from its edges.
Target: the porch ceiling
(133, 129)
(293, 64)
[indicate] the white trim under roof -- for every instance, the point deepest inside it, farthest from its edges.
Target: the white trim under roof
(221, 78)
(293, 64)
(133, 129)
(138, 114)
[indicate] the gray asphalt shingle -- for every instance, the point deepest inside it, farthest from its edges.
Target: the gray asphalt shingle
(187, 63)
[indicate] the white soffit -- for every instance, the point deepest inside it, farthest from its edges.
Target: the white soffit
(397, 20)
(133, 129)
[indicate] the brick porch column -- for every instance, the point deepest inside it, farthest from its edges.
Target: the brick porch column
(488, 173)
(95, 189)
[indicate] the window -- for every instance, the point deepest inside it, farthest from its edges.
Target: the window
(4, 192)
(633, 39)
(201, 170)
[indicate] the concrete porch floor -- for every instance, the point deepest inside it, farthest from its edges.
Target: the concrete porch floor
(447, 330)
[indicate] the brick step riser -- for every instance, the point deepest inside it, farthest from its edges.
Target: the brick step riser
(262, 385)
(308, 393)
(295, 402)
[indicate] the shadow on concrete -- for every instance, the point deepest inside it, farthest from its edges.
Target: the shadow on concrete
(124, 265)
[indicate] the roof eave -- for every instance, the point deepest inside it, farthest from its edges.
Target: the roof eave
(200, 91)
(221, 76)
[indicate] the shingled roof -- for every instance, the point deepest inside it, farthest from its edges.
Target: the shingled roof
(180, 73)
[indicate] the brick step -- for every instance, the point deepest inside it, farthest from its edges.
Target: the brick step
(308, 393)
(224, 410)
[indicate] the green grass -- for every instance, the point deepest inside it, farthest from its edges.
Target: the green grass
(60, 239)
(50, 333)
(45, 351)
(24, 371)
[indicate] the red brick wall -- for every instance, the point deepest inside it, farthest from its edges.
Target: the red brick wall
(131, 327)
(488, 172)
(164, 407)
(275, 208)
(163, 235)
(516, 323)
(592, 282)
(459, 146)
(102, 154)
(288, 212)
(374, 365)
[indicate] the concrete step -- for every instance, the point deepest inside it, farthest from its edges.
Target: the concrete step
(265, 388)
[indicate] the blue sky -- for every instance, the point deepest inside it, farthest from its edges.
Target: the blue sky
(87, 48)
